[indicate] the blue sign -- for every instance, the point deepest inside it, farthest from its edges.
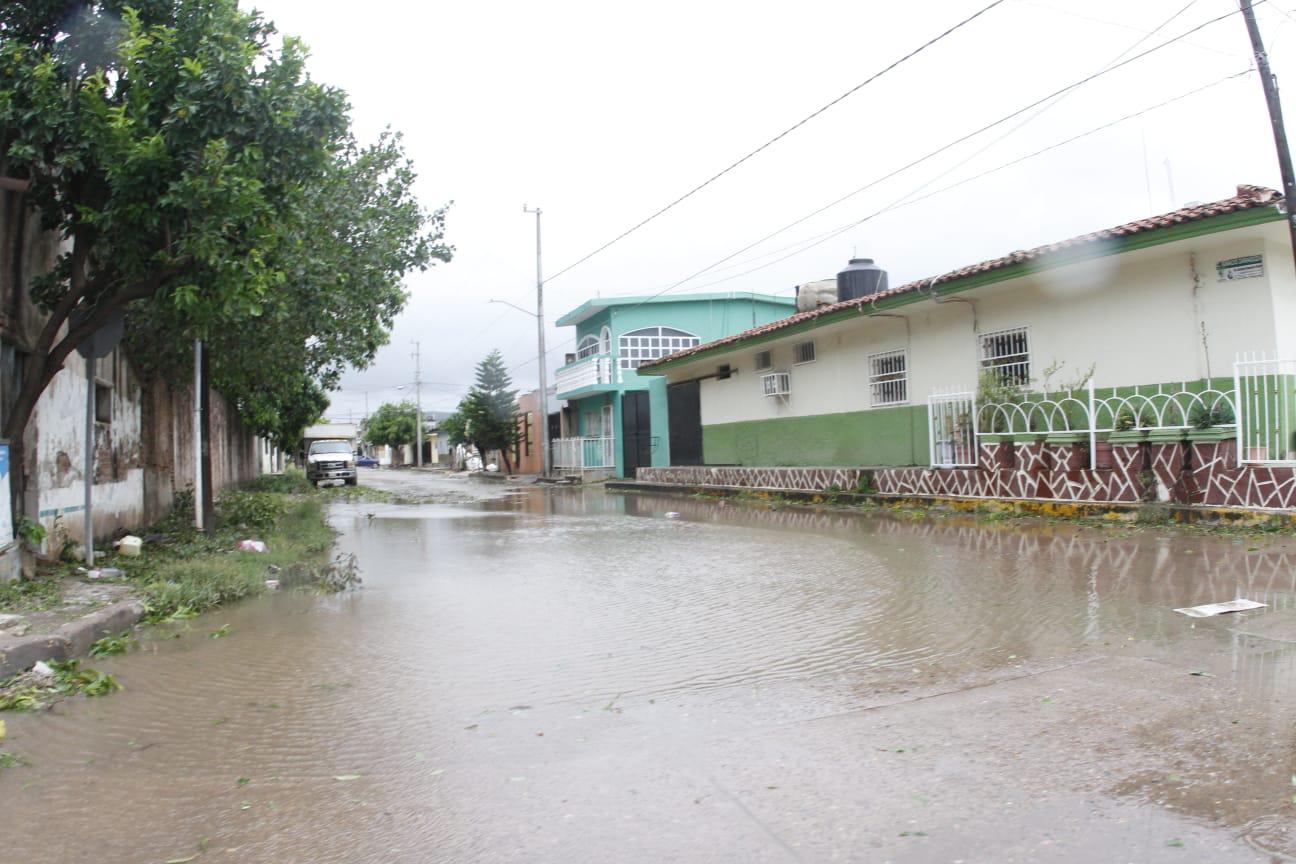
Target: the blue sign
(6, 518)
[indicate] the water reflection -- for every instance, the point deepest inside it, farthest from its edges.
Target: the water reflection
(551, 611)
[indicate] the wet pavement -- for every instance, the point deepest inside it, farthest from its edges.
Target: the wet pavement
(567, 675)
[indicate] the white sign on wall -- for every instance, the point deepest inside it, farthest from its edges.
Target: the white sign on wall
(1246, 267)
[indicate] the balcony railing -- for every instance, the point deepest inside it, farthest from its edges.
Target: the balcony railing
(584, 454)
(590, 371)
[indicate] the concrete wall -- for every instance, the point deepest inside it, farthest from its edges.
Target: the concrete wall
(1138, 317)
(142, 458)
(143, 443)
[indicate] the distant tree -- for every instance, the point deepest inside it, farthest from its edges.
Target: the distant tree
(487, 411)
(391, 425)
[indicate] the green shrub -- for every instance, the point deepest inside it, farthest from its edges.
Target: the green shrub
(258, 510)
(291, 482)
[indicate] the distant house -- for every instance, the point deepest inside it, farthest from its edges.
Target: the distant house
(1183, 325)
(615, 420)
(526, 453)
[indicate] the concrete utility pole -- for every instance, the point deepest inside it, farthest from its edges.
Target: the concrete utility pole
(197, 435)
(1270, 85)
(542, 409)
(418, 406)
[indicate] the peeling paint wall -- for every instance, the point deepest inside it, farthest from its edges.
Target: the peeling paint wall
(143, 434)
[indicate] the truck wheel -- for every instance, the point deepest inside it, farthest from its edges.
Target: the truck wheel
(351, 481)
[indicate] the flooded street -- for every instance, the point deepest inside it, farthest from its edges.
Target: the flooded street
(567, 675)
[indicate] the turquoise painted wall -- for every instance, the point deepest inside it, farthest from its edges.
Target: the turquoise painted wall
(706, 319)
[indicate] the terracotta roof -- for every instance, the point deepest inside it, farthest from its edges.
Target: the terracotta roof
(1247, 198)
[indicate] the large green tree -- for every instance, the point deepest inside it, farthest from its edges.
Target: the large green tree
(393, 424)
(203, 182)
(487, 412)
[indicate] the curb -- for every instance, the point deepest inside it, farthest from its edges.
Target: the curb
(70, 640)
(1112, 511)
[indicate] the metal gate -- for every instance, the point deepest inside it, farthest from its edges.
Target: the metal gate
(951, 421)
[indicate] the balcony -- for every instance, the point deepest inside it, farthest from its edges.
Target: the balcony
(584, 454)
(589, 374)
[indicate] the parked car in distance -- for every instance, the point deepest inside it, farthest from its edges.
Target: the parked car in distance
(366, 462)
(331, 462)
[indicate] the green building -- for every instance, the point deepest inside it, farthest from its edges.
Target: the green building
(615, 420)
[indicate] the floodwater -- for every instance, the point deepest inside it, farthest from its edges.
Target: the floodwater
(569, 675)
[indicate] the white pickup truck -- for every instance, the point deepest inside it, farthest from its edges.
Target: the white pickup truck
(332, 462)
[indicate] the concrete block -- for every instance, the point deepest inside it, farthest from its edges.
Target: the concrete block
(20, 653)
(108, 621)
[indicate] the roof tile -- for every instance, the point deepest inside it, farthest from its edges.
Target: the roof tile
(1247, 198)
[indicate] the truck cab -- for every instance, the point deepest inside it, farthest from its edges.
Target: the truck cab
(331, 462)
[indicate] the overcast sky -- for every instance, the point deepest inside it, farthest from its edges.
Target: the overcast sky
(602, 112)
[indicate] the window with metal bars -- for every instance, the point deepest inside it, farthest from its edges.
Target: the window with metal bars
(889, 378)
(650, 343)
(764, 361)
(1006, 354)
(803, 352)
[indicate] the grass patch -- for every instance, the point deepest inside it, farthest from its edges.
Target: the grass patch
(193, 573)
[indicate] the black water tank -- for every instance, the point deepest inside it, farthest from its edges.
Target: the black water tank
(861, 278)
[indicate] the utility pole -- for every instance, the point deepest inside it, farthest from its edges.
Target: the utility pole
(1270, 85)
(418, 410)
(542, 408)
(197, 435)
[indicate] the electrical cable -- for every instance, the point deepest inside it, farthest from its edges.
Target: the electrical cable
(698, 188)
(948, 146)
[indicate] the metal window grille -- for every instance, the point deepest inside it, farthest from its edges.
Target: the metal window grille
(803, 352)
(889, 378)
(764, 360)
(651, 343)
(588, 347)
(776, 384)
(1006, 353)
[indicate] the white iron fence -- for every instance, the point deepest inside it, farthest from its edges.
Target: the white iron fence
(584, 454)
(1266, 427)
(1260, 409)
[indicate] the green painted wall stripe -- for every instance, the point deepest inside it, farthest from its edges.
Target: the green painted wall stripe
(1087, 252)
(883, 436)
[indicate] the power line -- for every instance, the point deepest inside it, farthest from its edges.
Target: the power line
(948, 146)
(838, 231)
(823, 238)
(779, 137)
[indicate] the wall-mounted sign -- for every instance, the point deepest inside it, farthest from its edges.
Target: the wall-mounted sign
(1246, 267)
(6, 517)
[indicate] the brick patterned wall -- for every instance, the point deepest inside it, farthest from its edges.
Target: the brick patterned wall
(1201, 472)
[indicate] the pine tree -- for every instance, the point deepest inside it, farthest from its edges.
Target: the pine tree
(488, 409)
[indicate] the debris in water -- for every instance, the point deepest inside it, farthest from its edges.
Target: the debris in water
(672, 515)
(272, 584)
(346, 777)
(1201, 673)
(1209, 609)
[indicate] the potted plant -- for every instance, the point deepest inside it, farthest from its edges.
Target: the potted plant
(1126, 429)
(1213, 423)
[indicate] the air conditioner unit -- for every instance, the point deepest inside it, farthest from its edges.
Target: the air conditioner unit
(776, 384)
